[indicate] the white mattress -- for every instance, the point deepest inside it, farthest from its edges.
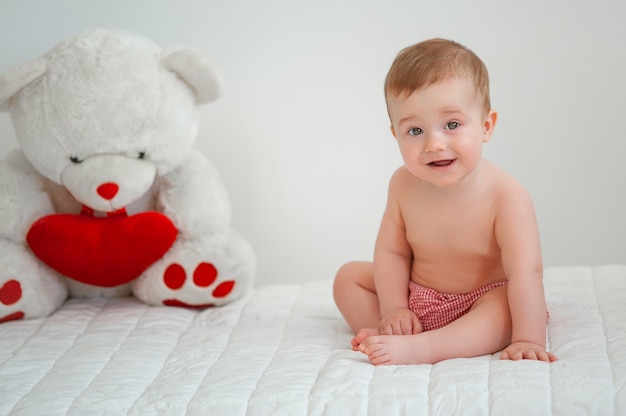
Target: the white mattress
(285, 350)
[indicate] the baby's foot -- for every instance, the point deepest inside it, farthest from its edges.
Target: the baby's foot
(394, 349)
(362, 335)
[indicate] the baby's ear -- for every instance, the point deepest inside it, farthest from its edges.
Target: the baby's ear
(393, 130)
(13, 80)
(196, 69)
(489, 125)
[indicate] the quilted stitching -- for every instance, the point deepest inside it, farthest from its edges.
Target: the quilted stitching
(285, 350)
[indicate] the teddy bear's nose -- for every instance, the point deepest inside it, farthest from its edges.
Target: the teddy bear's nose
(108, 190)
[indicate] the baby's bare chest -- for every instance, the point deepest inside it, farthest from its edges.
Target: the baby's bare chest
(457, 229)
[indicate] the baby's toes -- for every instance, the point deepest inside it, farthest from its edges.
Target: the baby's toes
(365, 333)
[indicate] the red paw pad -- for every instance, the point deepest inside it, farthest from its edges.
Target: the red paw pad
(174, 302)
(10, 292)
(204, 275)
(223, 289)
(12, 317)
(174, 276)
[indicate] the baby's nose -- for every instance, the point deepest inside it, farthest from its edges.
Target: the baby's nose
(435, 143)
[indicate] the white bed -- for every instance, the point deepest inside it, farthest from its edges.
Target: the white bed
(284, 350)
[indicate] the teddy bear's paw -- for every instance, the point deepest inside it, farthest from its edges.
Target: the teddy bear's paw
(10, 294)
(199, 273)
(26, 299)
(28, 289)
(204, 277)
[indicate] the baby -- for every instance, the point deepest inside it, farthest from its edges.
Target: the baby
(457, 268)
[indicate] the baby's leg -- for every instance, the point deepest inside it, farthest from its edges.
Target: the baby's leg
(485, 329)
(355, 295)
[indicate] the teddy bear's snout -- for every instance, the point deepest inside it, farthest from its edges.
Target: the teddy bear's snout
(108, 190)
(108, 182)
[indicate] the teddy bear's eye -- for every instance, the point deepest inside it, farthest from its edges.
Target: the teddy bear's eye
(142, 155)
(75, 159)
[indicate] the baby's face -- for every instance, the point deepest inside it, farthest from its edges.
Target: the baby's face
(441, 130)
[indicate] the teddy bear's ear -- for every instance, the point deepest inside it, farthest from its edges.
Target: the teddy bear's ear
(13, 80)
(196, 69)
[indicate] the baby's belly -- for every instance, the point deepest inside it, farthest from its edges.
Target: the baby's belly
(461, 277)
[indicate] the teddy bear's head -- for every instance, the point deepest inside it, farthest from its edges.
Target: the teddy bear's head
(104, 111)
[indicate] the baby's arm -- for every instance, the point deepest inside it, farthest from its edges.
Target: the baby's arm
(392, 269)
(518, 237)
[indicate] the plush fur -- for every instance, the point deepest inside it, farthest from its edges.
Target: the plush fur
(106, 194)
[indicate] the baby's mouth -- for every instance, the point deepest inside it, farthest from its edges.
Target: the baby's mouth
(441, 163)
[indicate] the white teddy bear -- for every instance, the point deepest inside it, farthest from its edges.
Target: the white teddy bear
(106, 194)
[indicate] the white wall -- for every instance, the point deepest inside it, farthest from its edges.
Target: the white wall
(301, 136)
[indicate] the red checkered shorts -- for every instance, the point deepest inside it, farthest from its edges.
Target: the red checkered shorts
(435, 309)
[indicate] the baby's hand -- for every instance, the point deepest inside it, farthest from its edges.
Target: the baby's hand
(399, 321)
(527, 351)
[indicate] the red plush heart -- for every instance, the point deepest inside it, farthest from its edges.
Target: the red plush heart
(101, 251)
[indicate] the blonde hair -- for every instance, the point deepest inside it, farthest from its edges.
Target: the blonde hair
(435, 60)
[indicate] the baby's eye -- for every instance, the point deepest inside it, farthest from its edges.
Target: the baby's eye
(76, 159)
(452, 125)
(415, 131)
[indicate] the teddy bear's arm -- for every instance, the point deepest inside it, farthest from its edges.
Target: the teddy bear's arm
(23, 198)
(194, 198)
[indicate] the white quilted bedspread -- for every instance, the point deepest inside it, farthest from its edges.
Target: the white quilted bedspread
(284, 350)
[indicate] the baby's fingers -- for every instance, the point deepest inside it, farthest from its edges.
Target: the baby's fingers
(416, 326)
(514, 356)
(392, 328)
(406, 328)
(386, 329)
(396, 328)
(546, 356)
